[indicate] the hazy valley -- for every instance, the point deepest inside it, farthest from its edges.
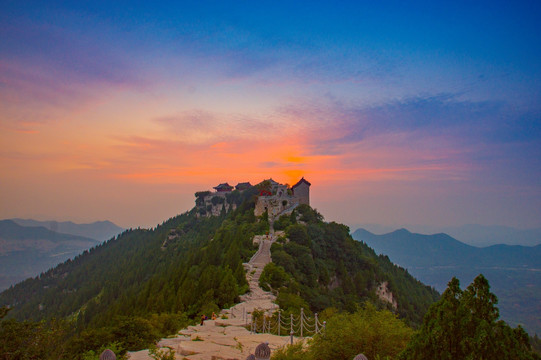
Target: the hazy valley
(29, 247)
(514, 272)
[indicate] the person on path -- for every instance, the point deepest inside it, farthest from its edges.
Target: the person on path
(213, 316)
(203, 318)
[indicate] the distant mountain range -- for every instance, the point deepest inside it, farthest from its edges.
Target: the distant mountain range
(514, 272)
(99, 230)
(480, 235)
(27, 250)
(476, 235)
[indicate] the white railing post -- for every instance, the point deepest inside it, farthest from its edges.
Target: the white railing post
(302, 317)
(292, 327)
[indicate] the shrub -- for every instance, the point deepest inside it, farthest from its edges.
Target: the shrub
(377, 334)
(274, 276)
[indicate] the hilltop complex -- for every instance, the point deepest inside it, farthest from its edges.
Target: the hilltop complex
(272, 196)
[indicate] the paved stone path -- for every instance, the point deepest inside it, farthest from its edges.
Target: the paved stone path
(227, 339)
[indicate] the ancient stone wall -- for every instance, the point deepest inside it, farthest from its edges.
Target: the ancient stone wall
(302, 192)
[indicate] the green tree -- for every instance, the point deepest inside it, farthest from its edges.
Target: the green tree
(228, 289)
(298, 234)
(135, 333)
(464, 325)
(273, 276)
(377, 334)
(31, 340)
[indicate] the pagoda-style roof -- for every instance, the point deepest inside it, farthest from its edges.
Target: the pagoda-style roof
(303, 180)
(223, 187)
(243, 186)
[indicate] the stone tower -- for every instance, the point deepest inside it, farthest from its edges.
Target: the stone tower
(301, 190)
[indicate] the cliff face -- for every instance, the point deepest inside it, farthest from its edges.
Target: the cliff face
(214, 204)
(275, 204)
(384, 294)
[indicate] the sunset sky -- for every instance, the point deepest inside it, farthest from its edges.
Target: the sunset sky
(396, 112)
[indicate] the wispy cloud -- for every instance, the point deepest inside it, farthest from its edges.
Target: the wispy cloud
(47, 71)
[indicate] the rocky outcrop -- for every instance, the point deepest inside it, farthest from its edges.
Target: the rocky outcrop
(384, 294)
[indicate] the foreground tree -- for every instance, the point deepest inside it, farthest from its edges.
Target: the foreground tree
(465, 325)
(376, 333)
(379, 334)
(31, 340)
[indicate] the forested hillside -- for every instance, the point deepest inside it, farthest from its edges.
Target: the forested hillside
(321, 266)
(145, 271)
(144, 284)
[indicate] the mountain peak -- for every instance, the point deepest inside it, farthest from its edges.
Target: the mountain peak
(401, 231)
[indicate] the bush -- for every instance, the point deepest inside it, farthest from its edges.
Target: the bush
(291, 302)
(161, 354)
(167, 324)
(282, 222)
(274, 276)
(377, 334)
(298, 234)
(135, 333)
(291, 352)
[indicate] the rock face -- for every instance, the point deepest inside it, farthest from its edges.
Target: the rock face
(214, 203)
(215, 340)
(386, 295)
(227, 338)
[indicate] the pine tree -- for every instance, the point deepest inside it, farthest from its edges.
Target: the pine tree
(464, 325)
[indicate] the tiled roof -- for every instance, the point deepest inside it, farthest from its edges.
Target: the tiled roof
(303, 180)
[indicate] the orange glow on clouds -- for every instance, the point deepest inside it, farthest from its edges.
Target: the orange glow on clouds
(91, 157)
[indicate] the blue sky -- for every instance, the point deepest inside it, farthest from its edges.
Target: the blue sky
(432, 106)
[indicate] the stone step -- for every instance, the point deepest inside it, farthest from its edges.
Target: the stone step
(228, 338)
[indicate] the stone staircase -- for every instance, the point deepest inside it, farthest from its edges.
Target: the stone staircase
(228, 338)
(256, 298)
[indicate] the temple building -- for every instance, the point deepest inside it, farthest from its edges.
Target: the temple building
(274, 198)
(277, 199)
(301, 190)
(224, 187)
(243, 186)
